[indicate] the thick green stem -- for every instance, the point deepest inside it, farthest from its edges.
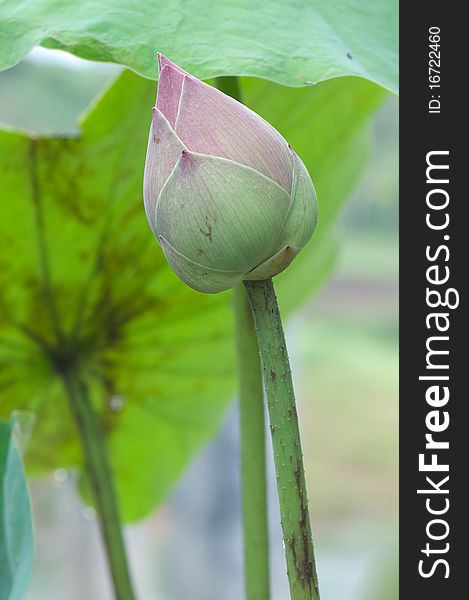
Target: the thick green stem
(101, 480)
(252, 425)
(253, 480)
(288, 458)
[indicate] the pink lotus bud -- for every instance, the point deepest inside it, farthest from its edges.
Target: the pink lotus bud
(225, 195)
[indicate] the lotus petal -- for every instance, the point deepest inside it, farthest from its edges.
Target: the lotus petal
(163, 152)
(220, 214)
(273, 265)
(209, 122)
(198, 277)
(302, 216)
(170, 82)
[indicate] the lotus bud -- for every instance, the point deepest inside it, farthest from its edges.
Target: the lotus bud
(225, 195)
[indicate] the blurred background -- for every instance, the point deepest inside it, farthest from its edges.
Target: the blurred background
(343, 347)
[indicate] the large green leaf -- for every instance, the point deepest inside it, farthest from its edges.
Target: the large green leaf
(84, 280)
(16, 533)
(293, 42)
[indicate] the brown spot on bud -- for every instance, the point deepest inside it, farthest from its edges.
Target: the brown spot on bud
(207, 232)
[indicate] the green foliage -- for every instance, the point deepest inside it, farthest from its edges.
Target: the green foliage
(84, 283)
(60, 93)
(297, 43)
(16, 533)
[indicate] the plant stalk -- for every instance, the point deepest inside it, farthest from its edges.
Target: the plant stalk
(102, 483)
(252, 427)
(291, 485)
(253, 461)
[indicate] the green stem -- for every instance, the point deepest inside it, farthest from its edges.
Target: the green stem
(253, 480)
(252, 425)
(288, 458)
(102, 484)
